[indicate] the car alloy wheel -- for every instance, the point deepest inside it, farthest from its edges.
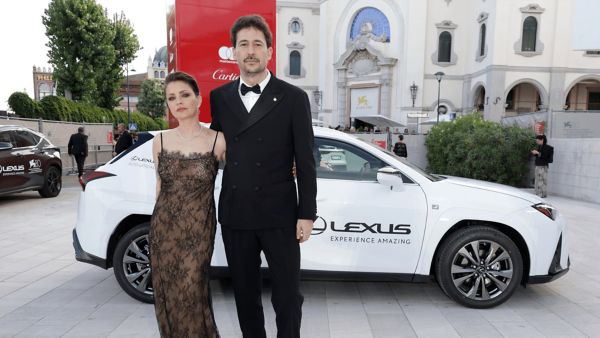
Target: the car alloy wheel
(131, 263)
(482, 270)
(479, 266)
(136, 264)
(52, 182)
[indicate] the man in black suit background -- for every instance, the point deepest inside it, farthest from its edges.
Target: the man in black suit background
(267, 126)
(78, 147)
(124, 141)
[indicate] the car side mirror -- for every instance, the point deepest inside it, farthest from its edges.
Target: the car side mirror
(390, 177)
(5, 146)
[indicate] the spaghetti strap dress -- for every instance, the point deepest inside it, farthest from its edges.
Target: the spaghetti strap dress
(182, 234)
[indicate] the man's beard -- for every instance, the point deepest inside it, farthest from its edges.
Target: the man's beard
(258, 70)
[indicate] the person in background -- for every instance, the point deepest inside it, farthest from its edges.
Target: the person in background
(400, 147)
(544, 154)
(124, 141)
(78, 148)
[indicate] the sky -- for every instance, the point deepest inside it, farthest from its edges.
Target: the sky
(23, 39)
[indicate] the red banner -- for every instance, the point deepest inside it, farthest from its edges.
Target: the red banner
(199, 42)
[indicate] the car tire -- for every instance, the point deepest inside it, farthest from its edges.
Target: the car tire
(52, 182)
(481, 278)
(131, 263)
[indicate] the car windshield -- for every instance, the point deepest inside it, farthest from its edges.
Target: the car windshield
(431, 177)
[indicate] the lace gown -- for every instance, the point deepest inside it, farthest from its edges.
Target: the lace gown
(182, 237)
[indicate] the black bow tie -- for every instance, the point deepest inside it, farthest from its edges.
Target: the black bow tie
(244, 89)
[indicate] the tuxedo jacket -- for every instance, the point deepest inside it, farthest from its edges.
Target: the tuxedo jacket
(258, 189)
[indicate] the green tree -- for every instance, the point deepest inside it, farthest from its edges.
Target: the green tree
(87, 50)
(125, 45)
(21, 104)
(475, 148)
(152, 98)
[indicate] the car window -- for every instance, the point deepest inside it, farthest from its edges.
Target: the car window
(425, 174)
(5, 137)
(24, 138)
(340, 160)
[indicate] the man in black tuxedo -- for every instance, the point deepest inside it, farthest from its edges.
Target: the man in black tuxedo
(78, 147)
(267, 126)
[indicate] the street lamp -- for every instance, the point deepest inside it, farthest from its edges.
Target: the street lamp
(413, 92)
(438, 77)
(128, 109)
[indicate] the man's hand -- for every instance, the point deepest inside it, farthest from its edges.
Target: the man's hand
(303, 229)
(535, 152)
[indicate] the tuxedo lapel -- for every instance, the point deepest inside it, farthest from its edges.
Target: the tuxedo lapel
(234, 102)
(271, 96)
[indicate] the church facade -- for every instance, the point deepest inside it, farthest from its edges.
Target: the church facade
(408, 60)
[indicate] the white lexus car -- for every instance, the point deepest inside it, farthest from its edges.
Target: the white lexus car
(379, 218)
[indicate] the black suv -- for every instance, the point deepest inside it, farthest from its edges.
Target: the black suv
(28, 161)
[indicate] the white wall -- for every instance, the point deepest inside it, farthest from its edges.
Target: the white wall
(575, 172)
(59, 132)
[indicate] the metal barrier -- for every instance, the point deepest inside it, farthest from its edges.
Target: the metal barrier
(97, 156)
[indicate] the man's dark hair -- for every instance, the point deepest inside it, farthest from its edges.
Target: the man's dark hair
(542, 137)
(80, 130)
(254, 21)
(401, 137)
(185, 77)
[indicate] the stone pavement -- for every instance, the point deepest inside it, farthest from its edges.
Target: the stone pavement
(45, 292)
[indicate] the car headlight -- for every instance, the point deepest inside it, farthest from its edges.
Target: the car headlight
(547, 210)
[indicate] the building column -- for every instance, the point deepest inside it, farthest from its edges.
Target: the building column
(386, 92)
(341, 97)
(494, 95)
(467, 98)
(556, 92)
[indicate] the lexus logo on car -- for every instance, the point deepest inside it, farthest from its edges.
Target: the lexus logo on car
(11, 168)
(320, 225)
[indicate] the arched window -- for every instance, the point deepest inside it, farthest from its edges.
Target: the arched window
(482, 40)
(529, 34)
(379, 24)
(444, 47)
(156, 74)
(295, 63)
(295, 26)
(162, 74)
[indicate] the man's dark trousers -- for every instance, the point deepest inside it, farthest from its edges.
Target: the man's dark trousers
(282, 251)
(80, 160)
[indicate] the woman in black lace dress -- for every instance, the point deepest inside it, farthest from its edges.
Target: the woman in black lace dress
(183, 222)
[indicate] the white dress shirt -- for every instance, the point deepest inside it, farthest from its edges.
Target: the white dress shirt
(250, 98)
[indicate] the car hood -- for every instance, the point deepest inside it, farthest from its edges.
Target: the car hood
(490, 186)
